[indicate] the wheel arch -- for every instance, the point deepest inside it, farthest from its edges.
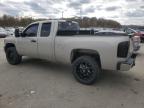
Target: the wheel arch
(75, 53)
(8, 45)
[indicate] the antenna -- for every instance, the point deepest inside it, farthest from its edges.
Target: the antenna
(62, 14)
(81, 16)
(80, 13)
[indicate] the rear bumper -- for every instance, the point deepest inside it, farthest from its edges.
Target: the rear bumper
(128, 64)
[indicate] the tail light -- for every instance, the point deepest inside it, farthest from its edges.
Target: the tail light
(123, 48)
(136, 39)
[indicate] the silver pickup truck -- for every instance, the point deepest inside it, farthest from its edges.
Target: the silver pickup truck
(63, 41)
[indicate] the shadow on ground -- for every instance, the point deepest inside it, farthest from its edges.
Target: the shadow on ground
(113, 78)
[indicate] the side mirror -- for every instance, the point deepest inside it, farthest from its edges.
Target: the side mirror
(17, 34)
(22, 34)
(130, 35)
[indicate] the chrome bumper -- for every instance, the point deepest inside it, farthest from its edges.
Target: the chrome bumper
(128, 64)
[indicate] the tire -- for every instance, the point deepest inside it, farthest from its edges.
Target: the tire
(12, 56)
(86, 70)
(142, 40)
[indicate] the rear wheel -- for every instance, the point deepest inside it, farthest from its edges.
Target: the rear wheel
(86, 70)
(12, 56)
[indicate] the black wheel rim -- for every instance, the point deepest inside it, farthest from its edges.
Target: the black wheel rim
(84, 71)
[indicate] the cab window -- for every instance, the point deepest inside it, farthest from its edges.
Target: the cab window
(31, 31)
(68, 26)
(45, 29)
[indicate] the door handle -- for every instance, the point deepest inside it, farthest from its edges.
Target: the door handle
(33, 41)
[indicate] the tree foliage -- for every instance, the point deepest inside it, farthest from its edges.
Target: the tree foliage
(94, 22)
(85, 22)
(9, 21)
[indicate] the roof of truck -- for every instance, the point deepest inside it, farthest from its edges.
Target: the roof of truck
(54, 20)
(49, 21)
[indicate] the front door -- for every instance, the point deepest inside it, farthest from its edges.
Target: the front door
(28, 43)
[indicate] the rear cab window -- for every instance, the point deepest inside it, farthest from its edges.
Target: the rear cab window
(67, 28)
(68, 25)
(45, 29)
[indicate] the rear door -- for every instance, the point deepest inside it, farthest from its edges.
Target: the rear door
(46, 41)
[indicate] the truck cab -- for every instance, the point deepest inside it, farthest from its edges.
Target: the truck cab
(37, 40)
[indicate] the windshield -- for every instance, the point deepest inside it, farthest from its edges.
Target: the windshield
(142, 30)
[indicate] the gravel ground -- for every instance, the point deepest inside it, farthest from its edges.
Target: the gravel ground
(40, 84)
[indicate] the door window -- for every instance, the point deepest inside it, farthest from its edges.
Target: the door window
(45, 29)
(31, 31)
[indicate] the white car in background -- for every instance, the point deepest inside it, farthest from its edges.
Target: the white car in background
(3, 33)
(10, 31)
(21, 29)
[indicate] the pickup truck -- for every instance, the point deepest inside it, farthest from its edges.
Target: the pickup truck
(63, 42)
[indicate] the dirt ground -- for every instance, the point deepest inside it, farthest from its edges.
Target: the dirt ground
(40, 84)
